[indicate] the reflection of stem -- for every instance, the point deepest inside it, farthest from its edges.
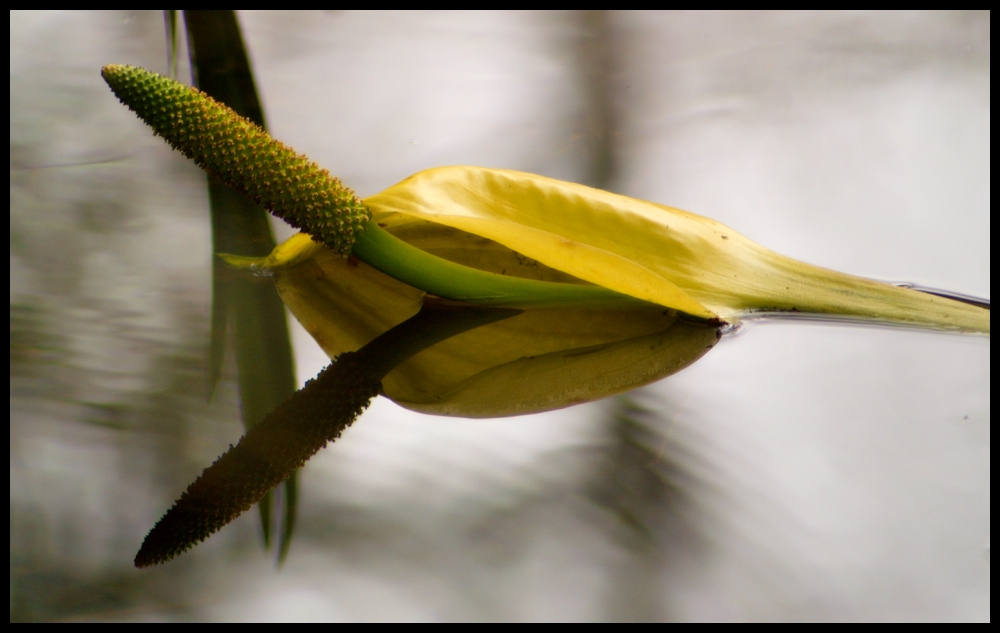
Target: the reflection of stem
(299, 427)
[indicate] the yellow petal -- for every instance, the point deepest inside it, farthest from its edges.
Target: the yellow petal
(650, 251)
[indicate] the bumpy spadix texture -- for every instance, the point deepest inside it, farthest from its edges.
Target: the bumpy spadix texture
(243, 155)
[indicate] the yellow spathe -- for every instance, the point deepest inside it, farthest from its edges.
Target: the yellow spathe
(524, 225)
(651, 251)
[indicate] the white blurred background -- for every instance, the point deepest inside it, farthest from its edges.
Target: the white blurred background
(797, 472)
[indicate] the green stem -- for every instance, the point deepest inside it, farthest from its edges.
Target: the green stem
(434, 275)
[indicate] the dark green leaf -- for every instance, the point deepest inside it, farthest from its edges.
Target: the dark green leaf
(247, 307)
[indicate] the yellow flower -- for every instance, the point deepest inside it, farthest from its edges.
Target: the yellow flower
(616, 292)
(691, 273)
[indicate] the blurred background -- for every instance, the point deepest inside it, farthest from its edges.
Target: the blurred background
(800, 471)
